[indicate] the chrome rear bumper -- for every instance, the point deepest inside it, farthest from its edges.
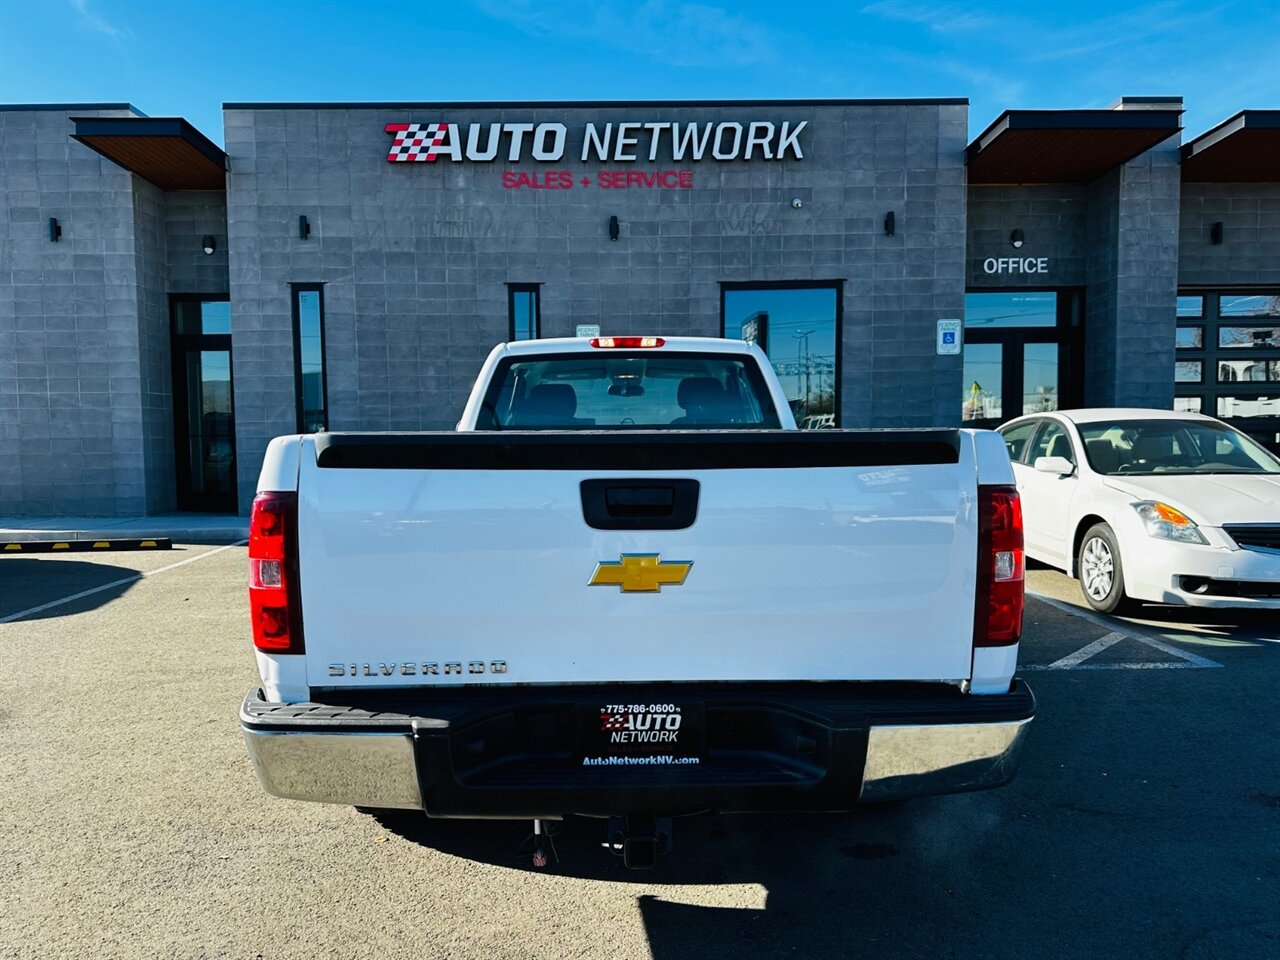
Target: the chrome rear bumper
(359, 758)
(356, 769)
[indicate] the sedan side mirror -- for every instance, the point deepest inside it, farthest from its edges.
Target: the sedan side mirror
(1059, 465)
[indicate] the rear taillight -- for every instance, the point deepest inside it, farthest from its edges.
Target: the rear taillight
(998, 615)
(629, 343)
(274, 603)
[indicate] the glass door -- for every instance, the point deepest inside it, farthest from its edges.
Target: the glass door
(1017, 353)
(204, 419)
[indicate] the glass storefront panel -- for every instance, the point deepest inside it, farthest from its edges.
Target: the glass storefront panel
(1249, 406)
(1248, 337)
(1188, 371)
(1191, 306)
(195, 317)
(1250, 305)
(797, 329)
(1249, 371)
(1039, 377)
(983, 379)
(1187, 404)
(1190, 338)
(990, 311)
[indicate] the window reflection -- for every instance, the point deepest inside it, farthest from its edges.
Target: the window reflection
(983, 378)
(1249, 406)
(1233, 371)
(525, 311)
(796, 328)
(1188, 371)
(1254, 305)
(1191, 306)
(1190, 338)
(1039, 377)
(995, 310)
(1248, 337)
(308, 334)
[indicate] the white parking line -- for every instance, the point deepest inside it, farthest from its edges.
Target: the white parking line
(115, 583)
(1084, 653)
(1074, 661)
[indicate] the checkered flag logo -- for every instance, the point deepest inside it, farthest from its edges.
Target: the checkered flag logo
(416, 142)
(612, 721)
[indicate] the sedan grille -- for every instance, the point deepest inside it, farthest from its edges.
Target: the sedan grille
(1255, 534)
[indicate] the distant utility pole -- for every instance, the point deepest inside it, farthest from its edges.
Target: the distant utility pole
(802, 348)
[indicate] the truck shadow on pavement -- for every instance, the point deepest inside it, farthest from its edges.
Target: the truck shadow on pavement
(26, 582)
(828, 885)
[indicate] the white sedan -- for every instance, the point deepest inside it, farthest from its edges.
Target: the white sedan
(1150, 505)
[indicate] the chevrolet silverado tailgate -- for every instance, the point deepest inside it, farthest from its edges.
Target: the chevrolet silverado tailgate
(510, 557)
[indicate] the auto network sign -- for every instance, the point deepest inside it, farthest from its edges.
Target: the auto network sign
(628, 142)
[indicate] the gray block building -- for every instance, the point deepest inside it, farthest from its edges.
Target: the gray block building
(168, 305)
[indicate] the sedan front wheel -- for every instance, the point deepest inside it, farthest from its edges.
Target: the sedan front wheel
(1101, 573)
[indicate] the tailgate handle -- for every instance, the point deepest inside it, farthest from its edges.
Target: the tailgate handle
(640, 504)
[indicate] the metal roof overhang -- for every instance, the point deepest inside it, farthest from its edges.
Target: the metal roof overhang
(1065, 146)
(168, 151)
(1244, 149)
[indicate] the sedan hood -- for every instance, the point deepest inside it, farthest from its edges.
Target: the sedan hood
(1209, 499)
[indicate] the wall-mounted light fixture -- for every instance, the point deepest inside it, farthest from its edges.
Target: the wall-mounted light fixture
(304, 228)
(614, 229)
(208, 244)
(1215, 232)
(889, 224)
(1017, 239)
(797, 203)
(55, 229)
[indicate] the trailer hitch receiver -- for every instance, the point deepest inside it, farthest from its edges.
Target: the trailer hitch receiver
(639, 839)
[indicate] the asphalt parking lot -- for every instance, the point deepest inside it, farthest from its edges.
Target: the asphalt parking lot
(1145, 821)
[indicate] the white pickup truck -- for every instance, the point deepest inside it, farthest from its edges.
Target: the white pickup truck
(627, 586)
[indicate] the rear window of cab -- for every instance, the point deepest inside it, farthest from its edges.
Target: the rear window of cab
(628, 390)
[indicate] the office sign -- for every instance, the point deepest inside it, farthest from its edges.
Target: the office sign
(1010, 265)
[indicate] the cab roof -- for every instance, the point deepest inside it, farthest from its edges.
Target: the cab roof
(583, 345)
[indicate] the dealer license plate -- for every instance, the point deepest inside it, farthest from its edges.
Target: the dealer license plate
(642, 734)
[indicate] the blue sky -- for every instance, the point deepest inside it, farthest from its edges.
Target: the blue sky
(186, 58)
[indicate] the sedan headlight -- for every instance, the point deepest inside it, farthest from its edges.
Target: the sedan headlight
(1165, 523)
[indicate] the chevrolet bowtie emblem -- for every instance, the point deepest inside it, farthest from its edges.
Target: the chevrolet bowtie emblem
(640, 573)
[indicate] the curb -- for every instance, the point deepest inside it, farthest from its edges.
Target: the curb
(83, 546)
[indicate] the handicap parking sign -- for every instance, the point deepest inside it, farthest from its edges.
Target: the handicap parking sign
(948, 337)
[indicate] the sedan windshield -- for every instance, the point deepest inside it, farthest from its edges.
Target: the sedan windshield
(1172, 446)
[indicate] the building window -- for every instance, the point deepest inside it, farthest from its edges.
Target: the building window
(1251, 305)
(1191, 306)
(1188, 371)
(194, 316)
(311, 393)
(1236, 355)
(1190, 338)
(525, 310)
(797, 325)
